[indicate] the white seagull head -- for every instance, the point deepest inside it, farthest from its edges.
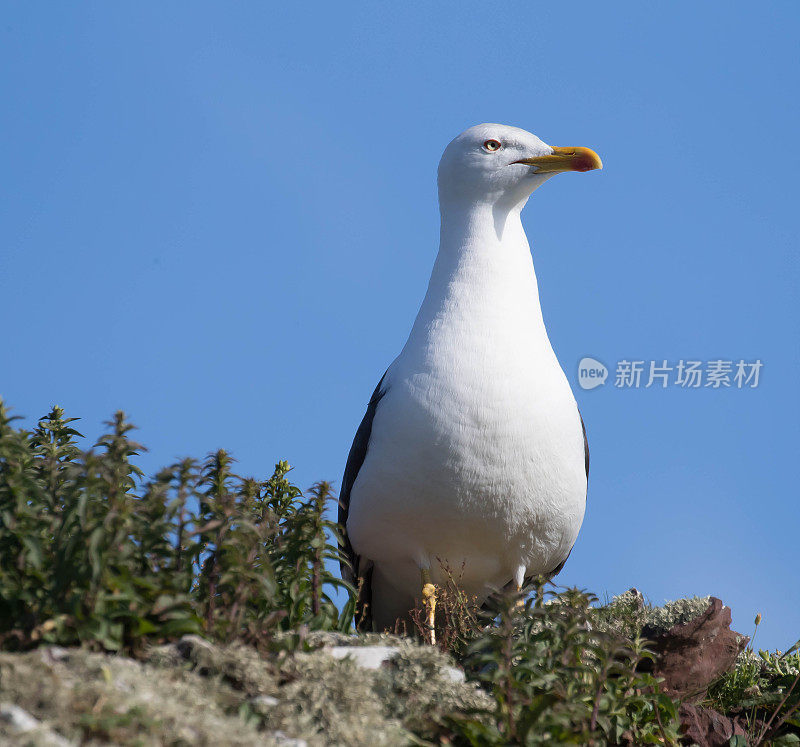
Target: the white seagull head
(501, 165)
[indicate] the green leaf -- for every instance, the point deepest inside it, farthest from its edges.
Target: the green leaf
(786, 740)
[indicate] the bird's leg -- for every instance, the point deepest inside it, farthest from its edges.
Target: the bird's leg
(519, 580)
(429, 604)
(520, 603)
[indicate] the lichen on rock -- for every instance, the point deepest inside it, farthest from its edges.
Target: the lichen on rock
(661, 619)
(195, 692)
(97, 698)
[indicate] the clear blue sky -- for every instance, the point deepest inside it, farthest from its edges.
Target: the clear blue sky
(222, 218)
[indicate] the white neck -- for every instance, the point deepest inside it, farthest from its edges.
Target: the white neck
(483, 277)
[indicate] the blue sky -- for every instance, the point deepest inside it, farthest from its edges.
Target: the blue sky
(222, 219)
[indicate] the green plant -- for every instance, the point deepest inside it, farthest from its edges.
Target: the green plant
(90, 553)
(764, 688)
(117, 728)
(556, 678)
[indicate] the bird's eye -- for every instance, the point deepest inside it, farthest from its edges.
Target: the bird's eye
(492, 145)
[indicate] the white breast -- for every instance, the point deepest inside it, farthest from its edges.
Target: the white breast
(476, 454)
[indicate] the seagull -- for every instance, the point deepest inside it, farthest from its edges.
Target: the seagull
(472, 453)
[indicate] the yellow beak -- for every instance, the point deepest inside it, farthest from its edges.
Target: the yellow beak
(565, 159)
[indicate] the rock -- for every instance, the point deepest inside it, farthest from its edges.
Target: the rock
(189, 645)
(21, 722)
(367, 657)
(691, 655)
(706, 727)
(17, 718)
(454, 674)
(285, 741)
(52, 654)
(263, 703)
(374, 657)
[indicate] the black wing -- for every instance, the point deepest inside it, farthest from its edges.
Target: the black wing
(358, 451)
(585, 449)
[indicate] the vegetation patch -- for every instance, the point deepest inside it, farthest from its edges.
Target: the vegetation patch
(197, 607)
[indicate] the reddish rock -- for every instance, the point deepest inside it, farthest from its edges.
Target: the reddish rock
(706, 727)
(692, 655)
